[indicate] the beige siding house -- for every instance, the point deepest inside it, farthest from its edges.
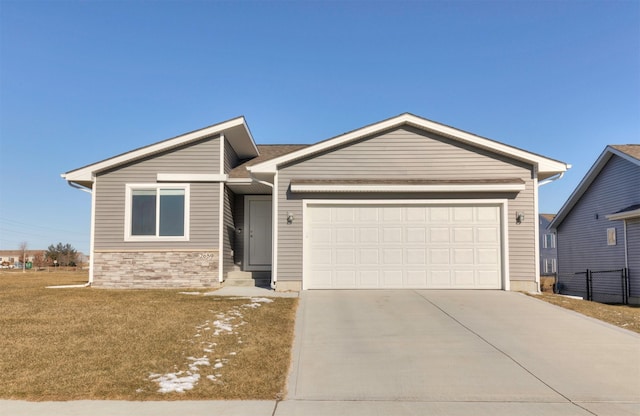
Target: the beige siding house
(402, 203)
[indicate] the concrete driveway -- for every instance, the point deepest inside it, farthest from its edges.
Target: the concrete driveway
(419, 352)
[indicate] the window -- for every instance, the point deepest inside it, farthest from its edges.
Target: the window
(155, 212)
(549, 265)
(611, 236)
(549, 241)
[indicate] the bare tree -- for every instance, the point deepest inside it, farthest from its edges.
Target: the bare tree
(23, 248)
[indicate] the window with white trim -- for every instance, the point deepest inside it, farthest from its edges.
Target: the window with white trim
(157, 212)
(549, 241)
(550, 265)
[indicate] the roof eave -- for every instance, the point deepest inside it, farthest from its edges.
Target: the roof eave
(584, 184)
(236, 130)
(547, 167)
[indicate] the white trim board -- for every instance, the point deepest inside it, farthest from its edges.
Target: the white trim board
(407, 188)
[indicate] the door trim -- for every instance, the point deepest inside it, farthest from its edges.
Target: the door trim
(247, 221)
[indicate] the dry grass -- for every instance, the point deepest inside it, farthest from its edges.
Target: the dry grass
(83, 343)
(624, 316)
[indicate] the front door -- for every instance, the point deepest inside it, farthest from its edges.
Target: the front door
(258, 232)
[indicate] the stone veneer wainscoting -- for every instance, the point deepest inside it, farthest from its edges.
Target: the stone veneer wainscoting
(155, 269)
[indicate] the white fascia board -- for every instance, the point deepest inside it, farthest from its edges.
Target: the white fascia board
(408, 188)
(582, 187)
(86, 173)
(545, 165)
(624, 215)
(191, 177)
(239, 181)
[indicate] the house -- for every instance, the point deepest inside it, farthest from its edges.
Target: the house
(547, 244)
(402, 203)
(598, 229)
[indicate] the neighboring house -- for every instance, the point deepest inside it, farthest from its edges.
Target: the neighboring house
(402, 203)
(11, 258)
(598, 228)
(548, 250)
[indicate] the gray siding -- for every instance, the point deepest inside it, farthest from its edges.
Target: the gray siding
(231, 159)
(406, 154)
(548, 252)
(201, 157)
(238, 246)
(582, 238)
(228, 231)
(633, 241)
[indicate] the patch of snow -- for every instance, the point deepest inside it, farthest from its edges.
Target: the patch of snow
(262, 300)
(175, 382)
(190, 293)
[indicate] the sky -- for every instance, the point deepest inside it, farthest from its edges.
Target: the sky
(81, 81)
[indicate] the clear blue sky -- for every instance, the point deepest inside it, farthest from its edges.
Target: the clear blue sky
(81, 81)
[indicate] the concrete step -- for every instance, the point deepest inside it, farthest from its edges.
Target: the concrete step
(238, 278)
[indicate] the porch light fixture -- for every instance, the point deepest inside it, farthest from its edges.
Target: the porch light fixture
(519, 217)
(289, 218)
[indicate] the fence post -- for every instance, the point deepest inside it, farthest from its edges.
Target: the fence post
(625, 286)
(588, 278)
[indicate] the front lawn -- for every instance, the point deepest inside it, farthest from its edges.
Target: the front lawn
(84, 343)
(624, 316)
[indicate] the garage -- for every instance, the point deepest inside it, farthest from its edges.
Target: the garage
(403, 245)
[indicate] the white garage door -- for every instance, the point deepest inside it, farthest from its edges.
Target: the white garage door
(409, 246)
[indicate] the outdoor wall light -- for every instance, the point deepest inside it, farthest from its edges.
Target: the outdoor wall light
(289, 217)
(519, 217)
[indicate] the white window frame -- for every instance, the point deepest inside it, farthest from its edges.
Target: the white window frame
(553, 240)
(550, 261)
(157, 187)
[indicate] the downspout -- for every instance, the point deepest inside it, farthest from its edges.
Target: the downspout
(82, 188)
(551, 179)
(545, 182)
(274, 219)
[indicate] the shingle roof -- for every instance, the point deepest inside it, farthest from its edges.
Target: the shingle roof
(632, 150)
(548, 217)
(267, 152)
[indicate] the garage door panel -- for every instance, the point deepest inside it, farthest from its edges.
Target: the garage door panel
(462, 235)
(416, 278)
(393, 246)
(463, 279)
(440, 279)
(345, 279)
(392, 279)
(392, 235)
(439, 235)
(392, 256)
(345, 256)
(369, 256)
(369, 279)
(416, 256)
(416, 234)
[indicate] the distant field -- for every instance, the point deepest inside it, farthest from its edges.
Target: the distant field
(84, 343)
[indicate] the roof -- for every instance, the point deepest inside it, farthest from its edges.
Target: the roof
(548, 217)
(546, 167)
(267, 152)
(235, 130)
(630, 152)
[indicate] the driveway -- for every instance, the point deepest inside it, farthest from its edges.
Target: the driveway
(456, 352)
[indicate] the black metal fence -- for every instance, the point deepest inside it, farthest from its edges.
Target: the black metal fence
(609, 286)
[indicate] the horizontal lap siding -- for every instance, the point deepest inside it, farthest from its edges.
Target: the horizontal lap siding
(202, 157)
(582, 239)
(405, 154)
(230, 161)
(633, 242)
